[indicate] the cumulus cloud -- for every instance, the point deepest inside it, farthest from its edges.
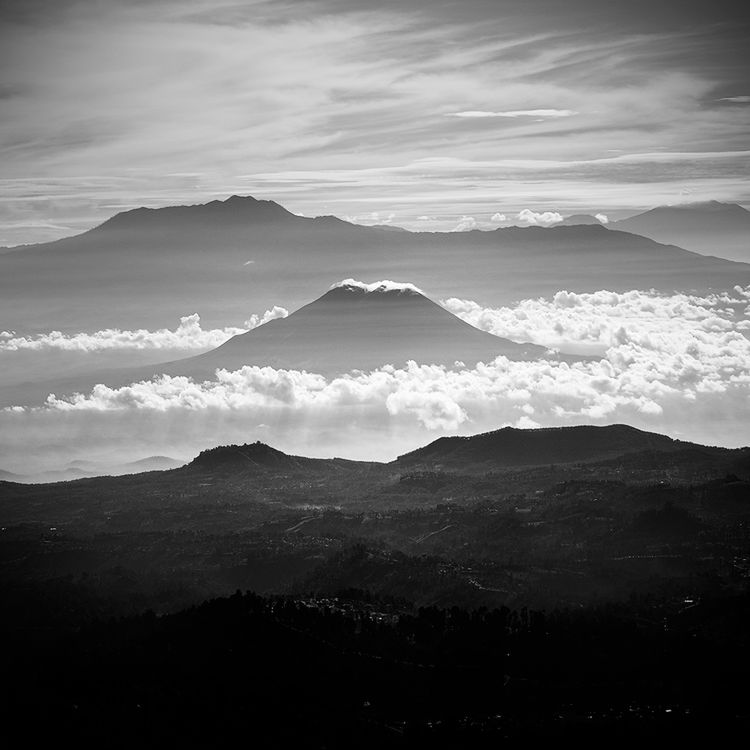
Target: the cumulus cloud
(513, 113)
(593, 322)
(678, 364)
(465, 224)
(497, 218)
(256, 320)
(655, 349)
(378, 286)
(636, 377)
(372, 218)
(189, 335)
(544, 219)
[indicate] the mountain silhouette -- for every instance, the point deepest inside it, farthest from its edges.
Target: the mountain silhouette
(355, 326)
(260, 458)
(146, 268)
(233, 210)
(606, 447)
(519, 447)
(710, 228)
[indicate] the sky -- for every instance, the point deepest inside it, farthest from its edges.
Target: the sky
(421, 114)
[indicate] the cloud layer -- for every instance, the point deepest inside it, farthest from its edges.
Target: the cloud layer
(188, 336)
(678, 364)
(594, 322)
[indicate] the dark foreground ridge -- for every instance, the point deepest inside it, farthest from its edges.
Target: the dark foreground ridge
(352, 670)
(472, 595)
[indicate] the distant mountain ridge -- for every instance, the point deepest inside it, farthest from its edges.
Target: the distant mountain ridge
(234, 209)
(710, 227)
(146, 268)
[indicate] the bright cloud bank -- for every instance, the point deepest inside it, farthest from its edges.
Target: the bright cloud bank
(678, 364)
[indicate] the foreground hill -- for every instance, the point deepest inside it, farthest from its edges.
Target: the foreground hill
(259, 458)
(585, 450)
(710, 228)
(146, 268)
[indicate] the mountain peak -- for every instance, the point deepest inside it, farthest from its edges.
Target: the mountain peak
(236, 209)
(253, 456)
(362, 327)
(385, 286)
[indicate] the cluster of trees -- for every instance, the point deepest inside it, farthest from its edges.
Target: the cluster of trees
(353, 670)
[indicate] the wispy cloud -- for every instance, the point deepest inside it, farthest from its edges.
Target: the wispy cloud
(736, 99)
(479, 113)
(169, 102)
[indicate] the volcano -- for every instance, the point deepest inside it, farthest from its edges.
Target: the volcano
(353, 326)
(358, 326)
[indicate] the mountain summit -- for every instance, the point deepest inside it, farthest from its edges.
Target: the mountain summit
(236, 209)
(358, 326)
(353, 326)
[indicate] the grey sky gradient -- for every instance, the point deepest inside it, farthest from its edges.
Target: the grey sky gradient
(350, 107)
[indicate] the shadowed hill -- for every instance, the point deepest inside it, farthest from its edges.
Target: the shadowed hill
(258, 457)
(515, 447)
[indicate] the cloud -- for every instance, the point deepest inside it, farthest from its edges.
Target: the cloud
(638, 376)
(545, 219)
(372, 218)
(187, 336)
(656, 350)
(593, 323)
(479, 113)
(603, 218)
(678, 364)
(498, 218)
(275, 312)
(736, 99)
(465, 224)
(188, 102)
